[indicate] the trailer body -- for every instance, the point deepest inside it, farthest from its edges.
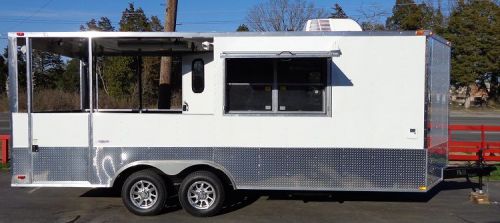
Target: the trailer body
(372, 114)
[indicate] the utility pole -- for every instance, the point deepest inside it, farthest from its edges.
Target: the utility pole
(165, 88)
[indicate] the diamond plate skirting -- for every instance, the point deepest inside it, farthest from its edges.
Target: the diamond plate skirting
(251, 168)
(21, 164)
(60, 164)
(342, 169)
(437, 160)
(280, 168)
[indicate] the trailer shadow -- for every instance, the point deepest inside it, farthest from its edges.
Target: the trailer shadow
(339, 78)
(171, 205)
(241, 199)
(342, 196)
(236, 200)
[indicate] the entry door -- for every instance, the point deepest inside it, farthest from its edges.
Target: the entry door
(60, 147)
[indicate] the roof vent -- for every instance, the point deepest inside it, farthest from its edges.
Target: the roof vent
(332, 25)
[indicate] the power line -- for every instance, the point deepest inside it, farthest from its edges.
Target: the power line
(43, 21)
(204, 22)
(33, 14)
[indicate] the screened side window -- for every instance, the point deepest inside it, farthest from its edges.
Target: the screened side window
(127, 76)
(276, 85)
(57, 69)
(198, 76)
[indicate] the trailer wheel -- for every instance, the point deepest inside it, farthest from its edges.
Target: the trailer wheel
(201, 194)
(144, 193)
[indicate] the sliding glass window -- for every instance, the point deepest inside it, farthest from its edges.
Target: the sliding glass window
(276, 85)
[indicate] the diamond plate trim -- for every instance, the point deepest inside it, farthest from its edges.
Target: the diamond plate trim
(437, 160)
(257, 168)
(342, 169)
(21, 164)
(107, 161)
(60, 164)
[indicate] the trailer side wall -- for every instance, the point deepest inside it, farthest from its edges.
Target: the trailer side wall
(371, 137)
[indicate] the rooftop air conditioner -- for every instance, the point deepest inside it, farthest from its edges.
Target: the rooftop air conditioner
(326, 25)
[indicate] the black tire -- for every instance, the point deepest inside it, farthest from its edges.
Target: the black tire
(214, 182)
(146, 176)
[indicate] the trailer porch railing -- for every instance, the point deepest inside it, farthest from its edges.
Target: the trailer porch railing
(4, 140)
(479, 150)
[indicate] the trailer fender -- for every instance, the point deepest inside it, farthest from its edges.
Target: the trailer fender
(174, 167)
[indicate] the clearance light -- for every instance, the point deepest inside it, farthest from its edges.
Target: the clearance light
(20, 34)
(422, 188)
(21, 177)
(423, 32)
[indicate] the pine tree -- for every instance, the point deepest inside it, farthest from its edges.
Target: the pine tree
(104, 24)
(408, 15)
(338, 12)
(119, 72)
(119, 76)
(69, 81)
(134, 20)
(155, 24)
(242, 28)
(89, 26)
(47, 68)
(438, 23)
(473, 29)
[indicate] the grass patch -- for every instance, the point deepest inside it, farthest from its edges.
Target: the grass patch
(4, 167)
(495, 175)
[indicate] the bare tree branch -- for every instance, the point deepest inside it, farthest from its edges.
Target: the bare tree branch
(370, 17)
(282, 15)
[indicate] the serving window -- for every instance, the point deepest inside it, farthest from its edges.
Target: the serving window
(276, 85)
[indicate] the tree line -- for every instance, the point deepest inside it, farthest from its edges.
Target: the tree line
(116, 76)
(470, 25)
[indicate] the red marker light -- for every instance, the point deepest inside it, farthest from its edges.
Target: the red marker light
(420, 32)
(20, 34)
(21, 177)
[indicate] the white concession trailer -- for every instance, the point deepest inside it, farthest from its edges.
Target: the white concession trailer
(329, 111)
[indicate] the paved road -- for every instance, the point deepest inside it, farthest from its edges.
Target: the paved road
(449, 203)
(477, 120)
(4, 123)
